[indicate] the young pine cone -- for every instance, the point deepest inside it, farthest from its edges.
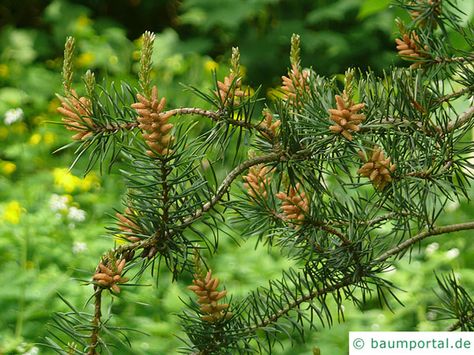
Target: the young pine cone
(270, 126)
(127, 225)
(378, 168)
(346, 116)
(110, 276)
(153, 123)
(229, 89)
(206, 290)
(295, 84)
(408, 48)
(257, 181)
(77, 114)
(294, 205)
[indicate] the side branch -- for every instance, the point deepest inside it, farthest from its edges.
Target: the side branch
(94, 339)
(222, 189)
(352, 280)
(304, 298)
(419, 237)
(213, 115)
(458, 325)
(461, 120)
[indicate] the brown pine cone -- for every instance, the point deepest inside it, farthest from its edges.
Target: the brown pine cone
(154, 124)
(228, 92)
(295, 204)
(77, 114)
(378, 168)
(346, 116)
(409, 48)
(257, 181)
(208, 297)
(110, 276)
(295, 84)
(270, 125)
(127, 225)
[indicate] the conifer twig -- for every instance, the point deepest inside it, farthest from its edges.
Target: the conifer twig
(420, 236)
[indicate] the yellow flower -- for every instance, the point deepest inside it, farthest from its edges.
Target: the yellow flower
(12, 212)
(83, 21)
(39, 120)
(210, 65)
(53, 105)
(70, 183)
(3, 132)
(35, 139)
(49, 138)
(136, 55)
(85, 59)
(275, 94)
(113, 60)
(19, 128)
(8, 167)
(4, 70)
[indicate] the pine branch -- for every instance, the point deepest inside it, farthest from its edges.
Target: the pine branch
(461, 120)
(354, 279)
(94, 338)
(222, 189)
(455, 95)
(305, 298)
(215, 116)
(420, 236)
(458, 324)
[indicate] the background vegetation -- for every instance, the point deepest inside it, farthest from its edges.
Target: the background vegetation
(52, 219)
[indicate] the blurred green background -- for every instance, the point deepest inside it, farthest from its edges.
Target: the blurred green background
(52, 220)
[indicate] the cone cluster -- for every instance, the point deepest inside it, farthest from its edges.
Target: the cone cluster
(296, 83)
(346, 116)
(127, 225)
(208, 296)
(294, 205)
(76, 113)
(257, 180)
(408, 47)
(110, 276)
(378, 168)
(270, 125)
(154, 124)
(229, 89)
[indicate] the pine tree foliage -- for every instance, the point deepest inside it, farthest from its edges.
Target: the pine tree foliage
(342, 178)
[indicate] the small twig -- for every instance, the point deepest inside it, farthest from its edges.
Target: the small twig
(440, 60)
(461, 120)
(213, 115)
(316, 293)
(356, 278)
(420, 236)
(221, 190)
(457, 325)
(454, 95)
(94, 340)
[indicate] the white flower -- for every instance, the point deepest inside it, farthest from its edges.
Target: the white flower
(431, 248)
(79, 247)
(13, 115)
(452, 206)
(452, 253)
(77, 215)
(58, 203)
(33, 351)
(431, 315)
